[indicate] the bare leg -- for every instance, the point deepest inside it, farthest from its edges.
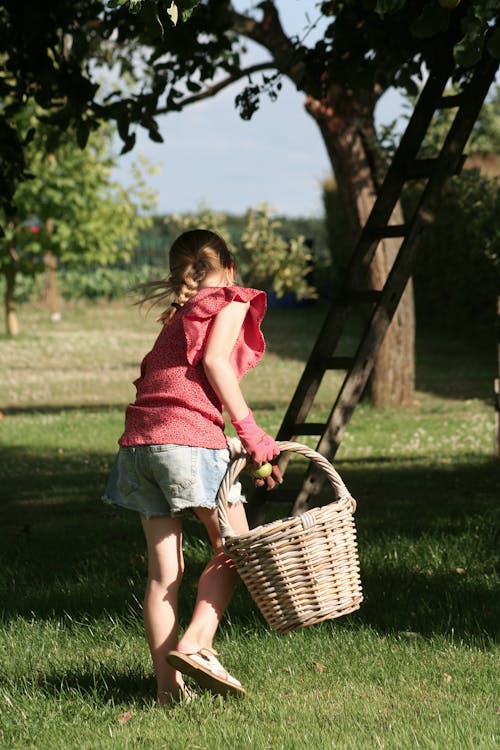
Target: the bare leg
(165, 567)
(216, 584)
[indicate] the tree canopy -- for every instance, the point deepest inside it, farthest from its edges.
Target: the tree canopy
(129, 61)
(89, 61)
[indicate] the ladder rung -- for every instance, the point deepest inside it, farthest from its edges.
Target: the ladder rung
(281, 495)
(453, 100)
(391, 230)
(424, 168)
(308, 428)
(337, 363)
(364, 295)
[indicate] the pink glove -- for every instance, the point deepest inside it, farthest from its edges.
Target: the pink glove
(261, 446)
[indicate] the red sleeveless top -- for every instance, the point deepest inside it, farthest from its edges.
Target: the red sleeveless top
(174, 402)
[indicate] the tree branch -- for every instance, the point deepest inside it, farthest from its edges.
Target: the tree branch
(213, 90)
(269, 33)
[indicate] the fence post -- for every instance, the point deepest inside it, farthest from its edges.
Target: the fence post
(497, 388)
(52, 296)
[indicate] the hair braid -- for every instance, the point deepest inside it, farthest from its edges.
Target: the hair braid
(193, 254)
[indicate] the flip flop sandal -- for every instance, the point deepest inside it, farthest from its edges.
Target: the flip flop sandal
(206, 669)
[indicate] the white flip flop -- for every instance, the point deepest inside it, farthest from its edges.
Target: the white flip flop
(206, 669)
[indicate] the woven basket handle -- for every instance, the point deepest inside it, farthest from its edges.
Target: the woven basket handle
(241, 459)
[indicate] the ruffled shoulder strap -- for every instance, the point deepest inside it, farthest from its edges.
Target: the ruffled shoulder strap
(200, 311)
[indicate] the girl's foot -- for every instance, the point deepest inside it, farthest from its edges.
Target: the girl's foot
(204, 667)
(173, 697)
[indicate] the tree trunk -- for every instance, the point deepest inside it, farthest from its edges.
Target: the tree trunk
(347, 127)
(346, 121)
(11, 321)
(52, 296)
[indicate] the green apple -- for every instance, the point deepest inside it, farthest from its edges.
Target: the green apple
(449, 3)
(261, 472)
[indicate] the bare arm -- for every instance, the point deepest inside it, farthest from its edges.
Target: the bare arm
(216, 358)
(222, 378)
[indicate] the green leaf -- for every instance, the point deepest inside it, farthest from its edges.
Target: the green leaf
(493, 44)
(155, 136)
(128, 144)
(173, 12)
(82, 133)
(158, 20)
(123, 127)
(193, 86)
(431, 21)
(151, 19)
(388, 6)
(29, 136)
(188, 7)
(469, 51)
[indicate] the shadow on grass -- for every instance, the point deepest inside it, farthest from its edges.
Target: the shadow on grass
(459, 365)
(427, 540)
(449, 363)
(58, 408)
(109, 684)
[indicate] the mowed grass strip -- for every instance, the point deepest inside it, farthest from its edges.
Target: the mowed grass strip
(416, 667)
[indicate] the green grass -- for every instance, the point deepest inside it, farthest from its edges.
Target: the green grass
(416, 667)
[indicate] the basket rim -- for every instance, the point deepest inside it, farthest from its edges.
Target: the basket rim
(287, 522)
(239, 462)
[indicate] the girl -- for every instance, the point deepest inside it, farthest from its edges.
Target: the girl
(173, 453)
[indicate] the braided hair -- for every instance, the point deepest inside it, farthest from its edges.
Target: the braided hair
(193, 255)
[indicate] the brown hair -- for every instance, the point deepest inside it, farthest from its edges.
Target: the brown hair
(192, 255)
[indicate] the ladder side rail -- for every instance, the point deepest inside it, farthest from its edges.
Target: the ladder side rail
(496, 387)
(399, 168)
(356, 379)
(365, 248)
(313, 372)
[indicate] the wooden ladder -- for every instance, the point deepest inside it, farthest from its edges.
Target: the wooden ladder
(405, 166)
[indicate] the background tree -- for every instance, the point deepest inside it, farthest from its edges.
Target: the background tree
(457, 269)
(71, 208)
(368, 46)
(342, 77)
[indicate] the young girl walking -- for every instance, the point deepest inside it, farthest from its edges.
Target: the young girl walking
(173, 453)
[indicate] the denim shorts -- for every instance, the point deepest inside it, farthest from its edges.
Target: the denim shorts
(168, 480)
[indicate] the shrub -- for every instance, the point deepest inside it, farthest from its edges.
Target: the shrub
(276, 254)
(457, 268)
(264, 256)
(92, 284)
(102, 283)
(267, 260)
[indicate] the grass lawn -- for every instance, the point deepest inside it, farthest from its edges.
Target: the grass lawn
(416, 667)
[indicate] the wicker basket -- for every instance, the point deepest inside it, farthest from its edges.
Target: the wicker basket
(303, 569)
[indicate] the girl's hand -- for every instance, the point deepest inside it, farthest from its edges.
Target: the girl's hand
(261, 446)
(269, 479)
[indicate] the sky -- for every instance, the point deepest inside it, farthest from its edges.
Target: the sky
(211, 157)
